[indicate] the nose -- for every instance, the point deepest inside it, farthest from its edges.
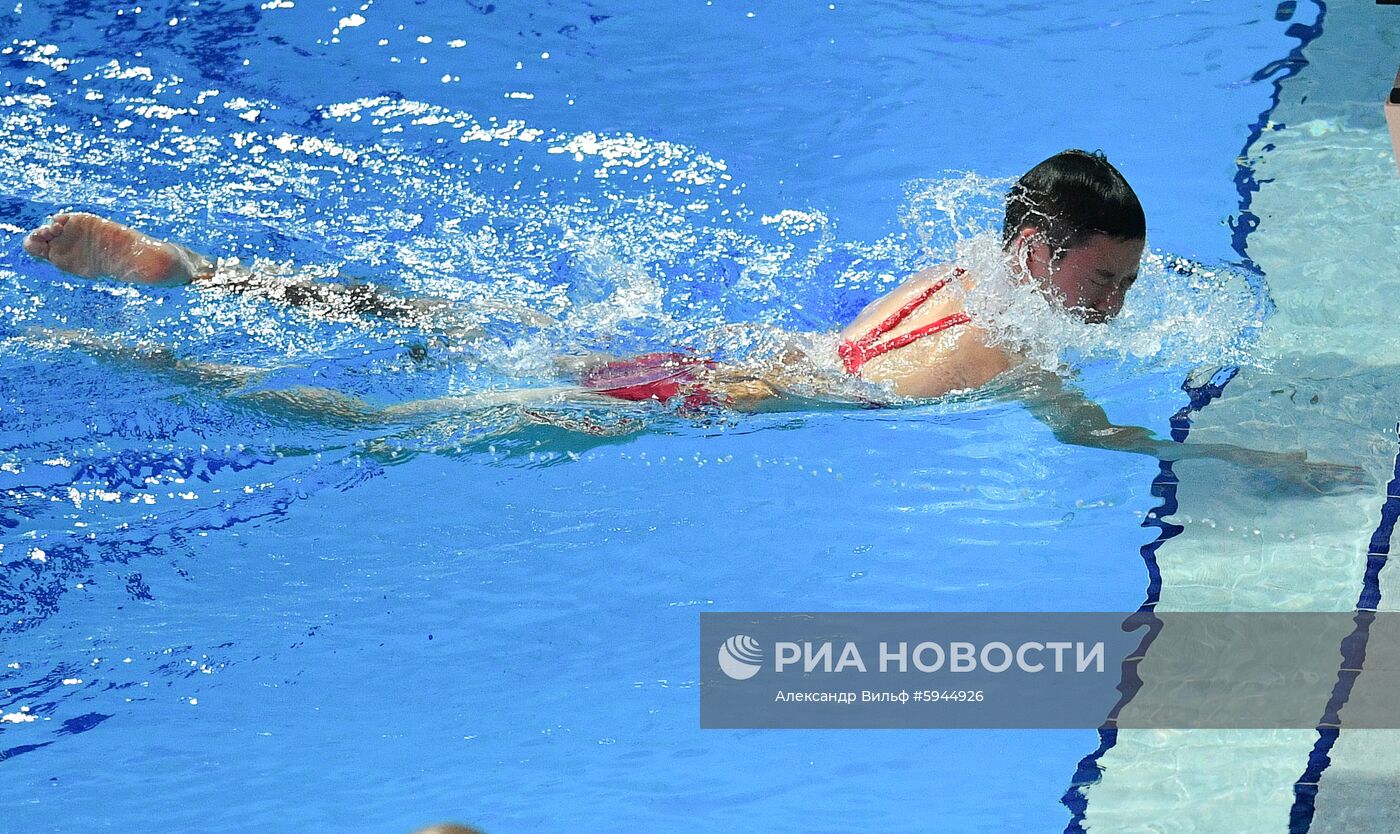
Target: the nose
(1102, 310)
(1110, 305)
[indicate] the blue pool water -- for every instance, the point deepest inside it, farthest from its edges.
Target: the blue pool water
(220, 617)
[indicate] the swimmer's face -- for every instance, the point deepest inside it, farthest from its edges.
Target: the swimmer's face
(1091, 279)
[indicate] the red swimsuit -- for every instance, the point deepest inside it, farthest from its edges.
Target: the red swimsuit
(663, 376)
(856, 352)
(653, 376)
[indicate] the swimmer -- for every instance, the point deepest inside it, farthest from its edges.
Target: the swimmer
(1074, 231)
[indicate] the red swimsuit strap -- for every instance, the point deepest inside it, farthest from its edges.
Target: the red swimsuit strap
(856, 353)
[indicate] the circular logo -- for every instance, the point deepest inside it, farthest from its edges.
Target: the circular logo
(740, 657)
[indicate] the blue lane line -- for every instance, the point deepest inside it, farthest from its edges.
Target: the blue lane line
(1353, 648)
(1276, 72)
(1164, 485)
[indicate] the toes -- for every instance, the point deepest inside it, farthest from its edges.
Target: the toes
(48, 231)
(36, 245)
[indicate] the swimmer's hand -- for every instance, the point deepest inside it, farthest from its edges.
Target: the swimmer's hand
(1295, 472)
(1287, 473)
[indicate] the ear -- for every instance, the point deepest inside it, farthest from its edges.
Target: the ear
(1031, 251)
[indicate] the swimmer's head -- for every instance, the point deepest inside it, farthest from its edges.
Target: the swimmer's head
(1075, 227)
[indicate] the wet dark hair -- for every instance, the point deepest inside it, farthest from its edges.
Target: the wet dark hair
(1071, 197)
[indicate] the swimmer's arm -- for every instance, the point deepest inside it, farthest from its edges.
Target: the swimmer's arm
(1079, 421)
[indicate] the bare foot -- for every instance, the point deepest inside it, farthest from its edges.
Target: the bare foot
(92, 247)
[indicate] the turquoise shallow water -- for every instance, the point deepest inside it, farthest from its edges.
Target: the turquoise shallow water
(225, 618)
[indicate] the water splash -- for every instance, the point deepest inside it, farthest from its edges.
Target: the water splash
(522, 242)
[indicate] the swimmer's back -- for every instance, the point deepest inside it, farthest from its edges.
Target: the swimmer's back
(956, 357)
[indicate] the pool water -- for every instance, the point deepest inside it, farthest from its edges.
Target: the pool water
(224, 617)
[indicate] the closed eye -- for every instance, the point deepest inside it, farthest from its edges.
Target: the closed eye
(1106, 280)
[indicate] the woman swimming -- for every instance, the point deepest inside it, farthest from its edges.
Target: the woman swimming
(1073, 228)
(1074, 231)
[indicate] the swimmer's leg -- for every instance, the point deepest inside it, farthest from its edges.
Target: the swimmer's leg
(228, 381)
(526, 407)
(329, 300)
(322, 405)
(523, 397)
(529, 406)
(317, 405)
(154, 358)
(89, 246)
(356, 298)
